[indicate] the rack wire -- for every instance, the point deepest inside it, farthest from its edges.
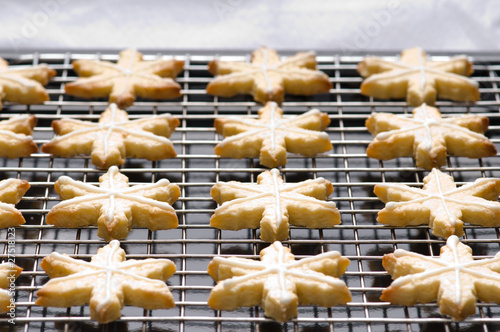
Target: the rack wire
(196, 169)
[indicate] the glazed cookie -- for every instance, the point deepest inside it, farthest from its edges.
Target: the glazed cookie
(267, 78)
(15, 137)
(24, 84)
(126, 79)
(114, 138)
(107, 283)
(8, 274)
(114, 206)
(428, 137)
(454, 279)
(270, 136)
(272, 205)
(278, 282)
(440, 204)
(417, 79)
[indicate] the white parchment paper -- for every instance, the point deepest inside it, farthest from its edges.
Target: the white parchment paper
(337, 26)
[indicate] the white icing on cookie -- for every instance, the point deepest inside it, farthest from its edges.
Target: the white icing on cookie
(427, 124)
(111, 126)
(110, 214)
(422, 71)
(272, 126)
(128, 72)
(114, 245)
(17, 79)
(440, 194)
(264, 71)
(277, 199)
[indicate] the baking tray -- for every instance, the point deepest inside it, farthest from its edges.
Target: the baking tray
(194, 243)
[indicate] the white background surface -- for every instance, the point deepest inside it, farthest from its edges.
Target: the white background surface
(340, 26)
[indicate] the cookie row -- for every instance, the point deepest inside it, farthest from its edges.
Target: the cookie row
(277, 282)
(270, 204)
(426, 136)
(266, 78)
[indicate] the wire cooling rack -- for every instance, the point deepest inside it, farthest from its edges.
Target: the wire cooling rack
(194, 243)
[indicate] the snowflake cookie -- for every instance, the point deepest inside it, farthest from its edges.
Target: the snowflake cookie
(114, 138)
(455, 280)
(107, 283)
(428, 137)
(272, 205)
(24, 84)
(126, 79)
(270, 136)
(114, 206)
(441, 204)
(278, 282)
(420, 80)
(267, 77)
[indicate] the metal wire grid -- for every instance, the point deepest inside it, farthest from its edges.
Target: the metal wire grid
(193, 244)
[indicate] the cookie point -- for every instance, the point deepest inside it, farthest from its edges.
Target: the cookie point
(277, 244)
(453, 221)
(399, 252)
(64, 178)
(384, 135)
(113, 169)
(452, 240)
(273, 104)
(114, 243)
(227, 283)
(391, 205)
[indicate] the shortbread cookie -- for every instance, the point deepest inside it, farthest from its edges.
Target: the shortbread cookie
(417, 79)
(267, 78)
(126, 79)
(278, 282)
(428, 137)
(107, 283)
(8, 274)
(271, 136)
(455, 280)
(272, 205)
(24, 84)
(15, 137)
(114, 206)
(11, 192)
(114, 138)
(441, 204)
